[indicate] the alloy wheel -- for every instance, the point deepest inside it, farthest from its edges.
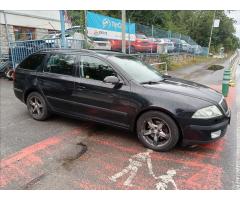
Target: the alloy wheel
(156, 132)
(36, 106)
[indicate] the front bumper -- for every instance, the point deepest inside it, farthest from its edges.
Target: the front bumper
(198, 134)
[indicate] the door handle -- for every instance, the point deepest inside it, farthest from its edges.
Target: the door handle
(80, 87)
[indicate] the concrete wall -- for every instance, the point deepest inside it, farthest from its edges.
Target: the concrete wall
(36, 19)
(41, 20)
(40, 32)
(3, 38)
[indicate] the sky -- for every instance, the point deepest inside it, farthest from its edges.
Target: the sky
(236, 16)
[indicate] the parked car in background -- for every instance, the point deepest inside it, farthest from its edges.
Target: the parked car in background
(52, 39)
(99, 43)
(197, 49)
(141, 44)
(162, 46)
(168, 42)
(177, 45)
(186, 47)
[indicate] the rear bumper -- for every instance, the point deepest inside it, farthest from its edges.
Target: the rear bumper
(197, 134)
(19, 94)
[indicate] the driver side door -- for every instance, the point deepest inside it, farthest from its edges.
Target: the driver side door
(97, 100)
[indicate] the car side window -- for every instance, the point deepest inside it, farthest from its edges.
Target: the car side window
(94, 68)
(32, 62)
(61, 64)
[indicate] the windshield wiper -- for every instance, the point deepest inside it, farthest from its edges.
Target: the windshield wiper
(150, 82)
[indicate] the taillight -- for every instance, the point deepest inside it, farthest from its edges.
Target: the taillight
(14, 75)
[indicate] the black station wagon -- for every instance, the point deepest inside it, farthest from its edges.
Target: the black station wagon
(120, 90)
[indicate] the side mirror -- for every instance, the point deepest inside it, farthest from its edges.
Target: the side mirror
(111, 79)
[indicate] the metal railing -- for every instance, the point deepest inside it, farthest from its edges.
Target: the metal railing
(21, 49)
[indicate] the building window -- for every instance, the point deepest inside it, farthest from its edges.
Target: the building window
(24, 33)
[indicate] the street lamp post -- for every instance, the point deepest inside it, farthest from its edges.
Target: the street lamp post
(63, 42)
(123, 31)
(210, 38)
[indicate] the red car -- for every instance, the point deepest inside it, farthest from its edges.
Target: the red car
(141, 44)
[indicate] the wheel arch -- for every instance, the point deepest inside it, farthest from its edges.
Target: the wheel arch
(28, 91)
(171, 115)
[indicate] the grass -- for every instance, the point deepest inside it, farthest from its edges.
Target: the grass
(190, 61)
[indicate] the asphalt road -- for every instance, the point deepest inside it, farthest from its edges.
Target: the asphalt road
(63, 153)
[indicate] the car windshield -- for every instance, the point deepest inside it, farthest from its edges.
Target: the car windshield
(136, 69)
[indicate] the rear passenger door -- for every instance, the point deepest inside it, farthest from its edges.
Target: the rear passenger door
(57, 81)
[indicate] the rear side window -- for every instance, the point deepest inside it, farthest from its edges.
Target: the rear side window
(32, 62)
(61, 64)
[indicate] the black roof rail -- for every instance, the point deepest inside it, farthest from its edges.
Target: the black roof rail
(95, 51)
(63, 49)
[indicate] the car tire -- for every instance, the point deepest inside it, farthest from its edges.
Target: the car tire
(157, 131)
(37, 106)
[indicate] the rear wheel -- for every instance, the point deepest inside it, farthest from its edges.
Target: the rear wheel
(157, 131)
(37, 106)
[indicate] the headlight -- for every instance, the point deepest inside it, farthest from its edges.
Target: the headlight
(206, 113)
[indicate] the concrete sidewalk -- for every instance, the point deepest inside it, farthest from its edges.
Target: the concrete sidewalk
(199, 73)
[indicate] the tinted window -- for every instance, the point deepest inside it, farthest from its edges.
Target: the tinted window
(32, 62)
(61, 64)
(93, 68)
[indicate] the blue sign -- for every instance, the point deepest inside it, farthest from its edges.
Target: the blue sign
(107, 27)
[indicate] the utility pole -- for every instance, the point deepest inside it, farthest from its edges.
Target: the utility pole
(152, 39)
(210, 38)
(129, 40)
(85, 29)
(123, 31)
(63, 42)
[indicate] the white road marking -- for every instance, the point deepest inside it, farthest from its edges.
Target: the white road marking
(165, 180)
(136, 162)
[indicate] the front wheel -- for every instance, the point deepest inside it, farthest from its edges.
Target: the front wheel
(37, 106)
(157, 131)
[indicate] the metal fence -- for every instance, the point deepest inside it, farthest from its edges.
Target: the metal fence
(170, 42)
(20, 49)
(150, 40)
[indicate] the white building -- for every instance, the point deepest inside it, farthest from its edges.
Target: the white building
(27, 24)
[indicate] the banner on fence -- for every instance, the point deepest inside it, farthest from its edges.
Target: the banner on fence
(101, 26)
